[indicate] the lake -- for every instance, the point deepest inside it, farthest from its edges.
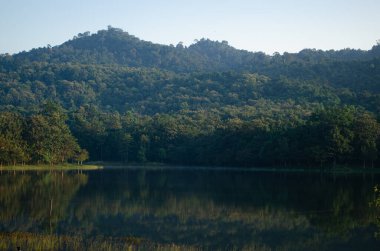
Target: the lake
(188, 209)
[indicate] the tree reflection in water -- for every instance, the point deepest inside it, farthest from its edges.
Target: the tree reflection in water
(191, 209)
(376, 205)
(37, 202)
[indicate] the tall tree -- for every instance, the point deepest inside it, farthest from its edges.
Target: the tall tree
(366, 136)
(13, 148)
(50, 138)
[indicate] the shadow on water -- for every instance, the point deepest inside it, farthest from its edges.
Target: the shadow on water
(188, 209)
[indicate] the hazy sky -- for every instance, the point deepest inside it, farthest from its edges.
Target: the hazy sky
(255, 25)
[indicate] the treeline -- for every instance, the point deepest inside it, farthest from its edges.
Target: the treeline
(340, 135)
(114, 46)
(146, 78)
(207, 104)
(39, 138)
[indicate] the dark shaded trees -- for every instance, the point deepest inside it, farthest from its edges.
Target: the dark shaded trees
(366, 138)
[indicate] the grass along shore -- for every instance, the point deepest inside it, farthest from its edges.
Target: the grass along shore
(37, 241)
(63, 167)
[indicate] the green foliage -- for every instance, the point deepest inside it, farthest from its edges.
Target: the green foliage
(13, 147)
(81, 156)
(209, 103)
(343, 135)
(40, 138)
(367, 137)
(327, 136)
(50, 137)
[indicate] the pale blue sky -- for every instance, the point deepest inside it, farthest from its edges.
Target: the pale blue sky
(256, 25)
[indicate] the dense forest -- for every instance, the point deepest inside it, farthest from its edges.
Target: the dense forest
(124, 99)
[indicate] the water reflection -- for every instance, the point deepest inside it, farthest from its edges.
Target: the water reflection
(37, 201)
(376, 205)
(202, 208)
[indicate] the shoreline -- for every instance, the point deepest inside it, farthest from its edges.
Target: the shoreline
(92, 166)
(61, 167)
(162, 166)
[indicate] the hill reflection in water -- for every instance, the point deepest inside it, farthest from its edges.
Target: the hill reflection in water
(213, 209)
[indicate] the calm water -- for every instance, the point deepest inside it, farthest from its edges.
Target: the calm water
(209, 209)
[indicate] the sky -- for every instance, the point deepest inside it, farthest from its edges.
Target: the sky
(256, 25)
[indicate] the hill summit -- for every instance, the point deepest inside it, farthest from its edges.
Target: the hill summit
(115, 46)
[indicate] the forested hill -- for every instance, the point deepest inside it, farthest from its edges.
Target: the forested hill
(207, 104)
(119, 72)
(114, 46)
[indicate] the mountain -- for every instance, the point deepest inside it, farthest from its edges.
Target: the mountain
(114, 46)
(207, 104)
(117, 71)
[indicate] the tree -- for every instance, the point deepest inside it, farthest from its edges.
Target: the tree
(332, 132)
(49, 136)
(81, 156)
(367, 132)
(13, 148)
(142, 152)
(125, 141)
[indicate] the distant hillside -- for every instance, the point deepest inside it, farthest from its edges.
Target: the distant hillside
(114, 46)
(119, 72)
